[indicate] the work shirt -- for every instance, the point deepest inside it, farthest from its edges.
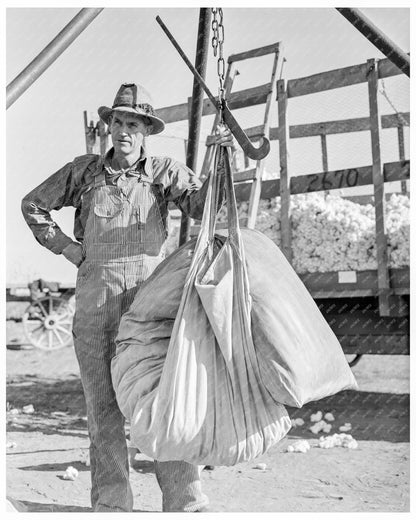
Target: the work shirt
(73, 186)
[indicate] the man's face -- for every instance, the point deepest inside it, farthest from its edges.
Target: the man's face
(127, 132)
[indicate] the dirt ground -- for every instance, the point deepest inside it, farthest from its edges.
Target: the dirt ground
(372, 478)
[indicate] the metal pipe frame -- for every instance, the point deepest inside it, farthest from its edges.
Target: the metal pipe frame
(196, 105)
(50, 53)
(377, 38)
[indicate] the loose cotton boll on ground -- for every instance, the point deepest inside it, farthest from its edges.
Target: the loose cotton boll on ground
(329, 417)
(316, 417)
(301, 446)
(327, 428)
(71, 473)
(297, 422)
(342, 440)
(320, 426)
(345, 428)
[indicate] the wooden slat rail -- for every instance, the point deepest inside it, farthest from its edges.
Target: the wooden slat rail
(337, 78)
(254, 53)
(243, 98)
(340, 126)
(333, 180)
(296, 87)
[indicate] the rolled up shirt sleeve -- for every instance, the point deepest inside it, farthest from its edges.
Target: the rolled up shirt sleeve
(53, 194)
(184, 188)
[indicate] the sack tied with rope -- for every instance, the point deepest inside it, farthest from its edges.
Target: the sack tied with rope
(217, 340)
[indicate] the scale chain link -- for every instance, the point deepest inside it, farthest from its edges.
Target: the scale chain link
(217, 45)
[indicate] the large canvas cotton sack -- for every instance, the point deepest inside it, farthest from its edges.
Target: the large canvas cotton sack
(300, 357)
(296, 356)
(191, 385)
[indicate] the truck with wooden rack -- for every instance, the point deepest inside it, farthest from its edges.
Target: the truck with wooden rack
(368, 310)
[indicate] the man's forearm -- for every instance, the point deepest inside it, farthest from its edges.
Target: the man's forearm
(45, 230)
(54, 193)
(192, 203)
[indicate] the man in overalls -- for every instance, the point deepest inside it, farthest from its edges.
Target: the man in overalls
(120, 228)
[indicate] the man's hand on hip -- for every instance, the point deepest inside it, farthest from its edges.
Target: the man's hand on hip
(73, 253)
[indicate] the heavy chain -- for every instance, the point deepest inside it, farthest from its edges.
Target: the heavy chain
(217, 45)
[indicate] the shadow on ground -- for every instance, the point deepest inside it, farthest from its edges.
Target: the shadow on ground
(60, 407)
(57, 467)
(142, 466)
(373, 416)
(39, 507)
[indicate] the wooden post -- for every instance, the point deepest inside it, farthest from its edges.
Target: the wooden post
(379, 199)
(283, 132)
(90, 136)
(196, 106)
(189, 124)
(324, 150)
(246, 162)
(260, 164)
(402, 155)
(103, 135)
(186, 141)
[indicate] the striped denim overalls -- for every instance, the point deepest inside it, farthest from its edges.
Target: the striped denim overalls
(123, 243)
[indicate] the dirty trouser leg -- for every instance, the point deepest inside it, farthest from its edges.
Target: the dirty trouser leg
(108, 450)
(181, 486)
(94, 347)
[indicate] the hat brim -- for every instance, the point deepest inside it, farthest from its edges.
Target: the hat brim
(158, 124)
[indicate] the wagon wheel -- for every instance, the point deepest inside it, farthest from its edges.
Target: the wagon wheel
(48, 323)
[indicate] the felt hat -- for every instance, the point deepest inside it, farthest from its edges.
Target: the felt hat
(135, 99)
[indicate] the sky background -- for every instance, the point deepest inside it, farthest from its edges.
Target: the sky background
(45, 125)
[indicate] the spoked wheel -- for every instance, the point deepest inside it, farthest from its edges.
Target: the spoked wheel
(48, 323)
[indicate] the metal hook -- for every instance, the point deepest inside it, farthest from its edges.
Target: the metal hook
(249, 149)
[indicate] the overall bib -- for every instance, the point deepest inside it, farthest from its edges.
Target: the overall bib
(123, 243)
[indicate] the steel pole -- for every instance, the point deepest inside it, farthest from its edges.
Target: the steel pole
(50, 53)
(196, 105)
(377, 38)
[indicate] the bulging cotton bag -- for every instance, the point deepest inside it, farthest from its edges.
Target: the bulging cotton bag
(192, 389)
(299, 355)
